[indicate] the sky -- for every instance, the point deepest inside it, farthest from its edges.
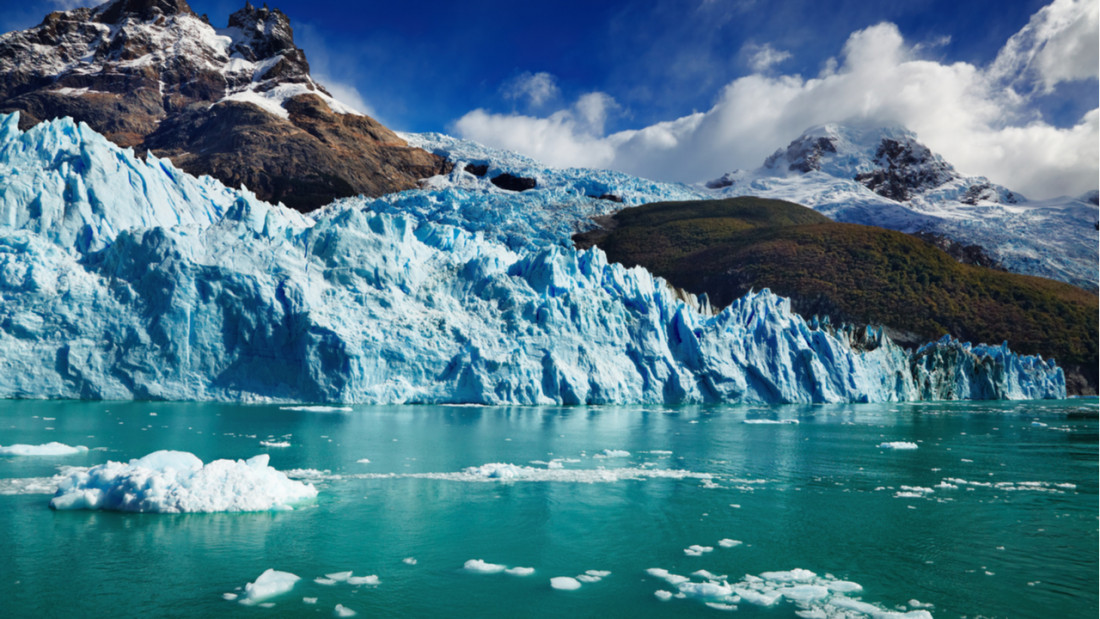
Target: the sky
(686, 90)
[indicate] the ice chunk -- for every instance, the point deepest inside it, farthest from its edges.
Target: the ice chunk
(613, 453)
(520, 571)
(275, 443)
(364, 580)
(362, 461)
(695, 550)
(343, 611)
(897, 445)
(670, 578)
(565, 583)
(729, 543)
(309, 600)
(805, 593)
(707, 574)
(795, 575)
(175, 481)
(770, 421)
(663, 595)
(318, 409)
(721, 606)
(47, 449)
(339, 576)
(409, 561)
(478, 566)
(269, 584)
(706, 590)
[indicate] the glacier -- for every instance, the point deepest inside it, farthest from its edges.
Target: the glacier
(122, 278)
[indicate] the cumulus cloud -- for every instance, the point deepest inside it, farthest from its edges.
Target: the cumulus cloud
(536, 89)
(761, 58)
(964, 112)
(1059, 44)
(566, 138)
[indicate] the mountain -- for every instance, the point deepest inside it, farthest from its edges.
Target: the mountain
(237, 103)
(853, 273)
(186, 290)
(885, 177)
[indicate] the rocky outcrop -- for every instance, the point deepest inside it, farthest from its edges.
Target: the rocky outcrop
(905, 168)
(236, 103)
(512, 182)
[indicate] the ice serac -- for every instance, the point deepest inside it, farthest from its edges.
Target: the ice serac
(884, 176)
(214, 295)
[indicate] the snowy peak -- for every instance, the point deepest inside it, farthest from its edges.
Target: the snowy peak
(144, 10)
(889, 161)
(263, 32)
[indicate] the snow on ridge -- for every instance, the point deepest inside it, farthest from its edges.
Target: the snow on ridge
(176, 482)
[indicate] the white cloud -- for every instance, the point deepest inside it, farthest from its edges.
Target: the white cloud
(764, 57)
(1060, 43)
(962, 111)
(536, 88)
(566, 138)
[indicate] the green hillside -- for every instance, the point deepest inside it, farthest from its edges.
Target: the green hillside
(854, 273)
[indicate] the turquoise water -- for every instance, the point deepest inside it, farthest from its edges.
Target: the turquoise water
(819, 495)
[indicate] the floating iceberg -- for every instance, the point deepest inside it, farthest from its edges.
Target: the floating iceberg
(176, 481)
(47, 449)
(270, 584)
(185, 290)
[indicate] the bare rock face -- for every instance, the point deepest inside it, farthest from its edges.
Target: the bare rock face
(236, 103)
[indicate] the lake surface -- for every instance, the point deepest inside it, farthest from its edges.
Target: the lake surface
(998, 517)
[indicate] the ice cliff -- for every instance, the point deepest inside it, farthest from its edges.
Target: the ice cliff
(122, 278)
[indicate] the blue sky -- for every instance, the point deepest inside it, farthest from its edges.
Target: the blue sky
(517, 74)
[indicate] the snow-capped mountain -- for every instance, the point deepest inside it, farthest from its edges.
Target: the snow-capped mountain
(188, 290)
(886, 177)
(237, 103)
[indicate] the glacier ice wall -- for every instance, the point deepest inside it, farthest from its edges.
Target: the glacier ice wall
(187, 290)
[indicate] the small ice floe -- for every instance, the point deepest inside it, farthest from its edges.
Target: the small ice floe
(565, 583)
(507, 472)
(362, 461)
(275, 443)
(917, 604)
(270, 584)
(477, 566)
(593, 576)
(729, 543)
(771, 422)
(695, 550)
(813, 596)
(177, 481)
(520, 571)
(343, 611)
(317, 409)
(339, 576)
(898, 445)
(612, 453)
(370, 580)
(44, 450)
(309, 600)
(913, 492)
(409, 561)
(1038, 424)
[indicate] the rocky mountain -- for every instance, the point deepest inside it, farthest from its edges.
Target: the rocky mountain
(237, 103)
(886, 177)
